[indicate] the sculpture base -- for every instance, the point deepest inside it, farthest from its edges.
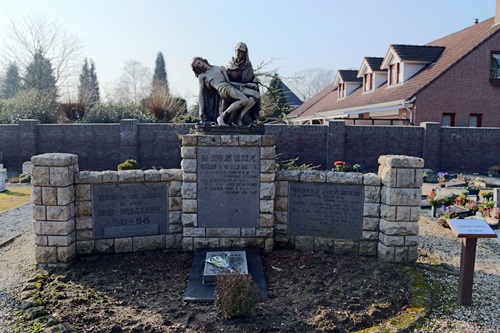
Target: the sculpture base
(207, 128)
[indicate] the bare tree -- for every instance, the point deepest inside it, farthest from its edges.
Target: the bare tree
(309, 82)
(135, 82)
(24, 37)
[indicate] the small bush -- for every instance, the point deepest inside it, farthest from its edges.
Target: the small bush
(113, 113)
(291, 164)
(30, 104)
(128, 165)
(25, 178)
(236, 294)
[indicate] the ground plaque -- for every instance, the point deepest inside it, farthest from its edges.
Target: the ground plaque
(126, 210)
(228, 187)
(237, 262)
(326, 210)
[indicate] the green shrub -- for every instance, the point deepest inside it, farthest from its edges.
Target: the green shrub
(30, 104)
(128, 165)
(236, 294)
(291, 164)
(113, 113)
(25, 178)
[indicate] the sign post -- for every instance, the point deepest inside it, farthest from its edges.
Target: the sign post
(469, 230)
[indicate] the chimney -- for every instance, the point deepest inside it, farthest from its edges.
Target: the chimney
(497, 16)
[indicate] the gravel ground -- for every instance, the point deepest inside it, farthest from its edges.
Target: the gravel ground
(17, 264)
(17, 261)
(483, 316)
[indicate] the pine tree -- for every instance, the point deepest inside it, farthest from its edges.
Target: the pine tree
(94, 83)
(88, 90)
(160, 74)
(11, 83)
(274, 101)
(39, 74)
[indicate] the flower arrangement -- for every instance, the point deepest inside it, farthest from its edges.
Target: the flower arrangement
(339, 165)
(448, 214)
(486, 205)
(443, 177)
(486, 194)
(432, 197)
(472, 206)
(461, 200)
(221, 261)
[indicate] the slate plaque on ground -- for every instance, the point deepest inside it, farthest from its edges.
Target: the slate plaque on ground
(126, 210)
(326, 210)
(228, 187)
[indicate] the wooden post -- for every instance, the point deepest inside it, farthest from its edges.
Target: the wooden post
(467, 261)
(469, 230)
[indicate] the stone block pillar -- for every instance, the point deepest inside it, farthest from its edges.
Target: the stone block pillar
(401, 194)
(54, 208)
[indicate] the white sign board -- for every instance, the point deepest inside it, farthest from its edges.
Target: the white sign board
(470, 228)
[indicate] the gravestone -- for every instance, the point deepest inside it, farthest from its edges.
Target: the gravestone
(228, 187)
(3, 177)
(27, 167)
(127, 210)
(326, 210)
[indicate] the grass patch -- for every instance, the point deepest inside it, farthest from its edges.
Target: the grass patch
(14, 197)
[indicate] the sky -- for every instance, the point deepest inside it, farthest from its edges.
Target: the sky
(298, 34)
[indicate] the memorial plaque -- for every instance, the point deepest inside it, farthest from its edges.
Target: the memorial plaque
(126, 210)
(326, 210)
(228, 187)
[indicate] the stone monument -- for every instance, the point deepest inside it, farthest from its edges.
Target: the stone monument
(229, 96)
(3, 177)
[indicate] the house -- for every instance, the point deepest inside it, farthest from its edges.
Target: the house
(454, 80)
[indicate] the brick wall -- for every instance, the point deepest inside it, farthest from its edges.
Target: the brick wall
(463, 89)
(104, 146)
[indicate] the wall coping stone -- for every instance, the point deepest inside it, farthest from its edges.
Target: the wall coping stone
(54, 159)
(401, 161)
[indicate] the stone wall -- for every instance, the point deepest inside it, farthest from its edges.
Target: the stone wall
(62, 209)
(63, 222)
(104, 146)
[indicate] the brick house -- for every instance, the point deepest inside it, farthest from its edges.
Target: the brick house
(454, 80)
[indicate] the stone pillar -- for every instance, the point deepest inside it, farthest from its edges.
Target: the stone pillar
(128, 139)
(431, 145)
(401, 194)
(54, 208)
(208, 234)
(3, 177)
(335, 142)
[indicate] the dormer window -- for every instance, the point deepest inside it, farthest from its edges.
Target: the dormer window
(341, 90)
(368, 82)
(394, 74)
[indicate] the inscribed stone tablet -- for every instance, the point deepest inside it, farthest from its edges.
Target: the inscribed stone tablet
(126, 210)
(326, 210)
(228, 187)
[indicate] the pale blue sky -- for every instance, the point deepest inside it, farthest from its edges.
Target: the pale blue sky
(305, 34)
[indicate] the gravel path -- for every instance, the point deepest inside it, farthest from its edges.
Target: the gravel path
(17, 260)
(17, 264)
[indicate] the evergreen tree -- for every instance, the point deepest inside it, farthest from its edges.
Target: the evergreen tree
(96, 96)
(160, 74)
(274, 101)
(88, 90)
(11, 83)
(39, 74)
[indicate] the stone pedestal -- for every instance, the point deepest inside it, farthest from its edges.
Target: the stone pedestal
(54, 208)
(228, 191)
(401, 194)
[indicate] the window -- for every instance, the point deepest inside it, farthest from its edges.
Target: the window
(341, 90)
(475, 120)
(368, 82)
(394, 74)
(448, 119)
(495, 68)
